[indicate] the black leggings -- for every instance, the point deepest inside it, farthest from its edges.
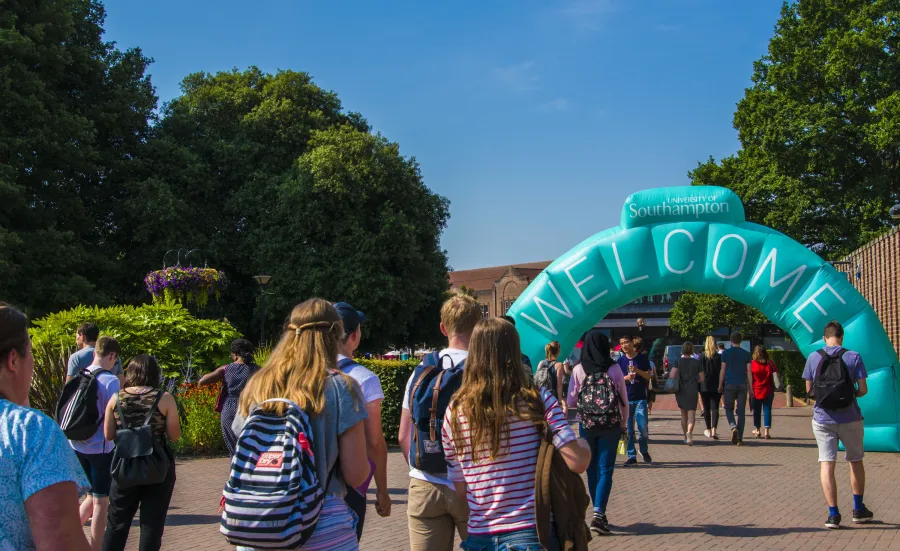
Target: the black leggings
(357, 503)
(153, 501)
(710, 402)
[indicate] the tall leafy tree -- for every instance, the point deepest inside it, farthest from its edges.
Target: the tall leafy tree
(74, 111)
(820, 126)
(280, 180)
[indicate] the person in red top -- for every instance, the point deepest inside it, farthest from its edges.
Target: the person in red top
(762, 370)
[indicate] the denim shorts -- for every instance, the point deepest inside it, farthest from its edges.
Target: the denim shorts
(520, 540)
(97, 467)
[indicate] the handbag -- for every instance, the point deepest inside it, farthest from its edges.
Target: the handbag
(140, 459)
(223, 394)
(779, 382)
(673, 384)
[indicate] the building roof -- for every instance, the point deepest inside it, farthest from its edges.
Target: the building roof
(483, 279)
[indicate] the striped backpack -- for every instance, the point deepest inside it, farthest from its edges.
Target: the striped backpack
(273, 496)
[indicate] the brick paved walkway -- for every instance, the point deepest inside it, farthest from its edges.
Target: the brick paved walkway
(765, 495)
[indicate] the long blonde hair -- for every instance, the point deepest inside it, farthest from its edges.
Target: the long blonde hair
(710, 347)
(494, 388)
(300, 363)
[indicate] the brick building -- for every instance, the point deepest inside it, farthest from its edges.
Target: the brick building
(874, 270)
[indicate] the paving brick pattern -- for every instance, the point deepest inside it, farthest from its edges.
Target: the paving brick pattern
(765, 495)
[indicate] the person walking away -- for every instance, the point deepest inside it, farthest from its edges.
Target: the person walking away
(95, 454)
(302, 371)
(233, 377)
(637, 376)
(551, 374)
(41, 476)
(434, 508)
(711, 366)
(762, 369)
(837, 377)
(734, 381)
(690, 376)
(491, 435)
(131, 407)
(373, 395)
(85, 341)
(598, 392)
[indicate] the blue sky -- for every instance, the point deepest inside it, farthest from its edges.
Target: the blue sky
(535, 118)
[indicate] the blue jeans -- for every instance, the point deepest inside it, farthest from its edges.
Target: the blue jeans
(603, 447)
(637, 413)
(764, 407)
(520, 540)
(735, 398)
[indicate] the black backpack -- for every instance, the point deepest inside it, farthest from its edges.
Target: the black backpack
(140, 458)
(76, 410)
(545, 377)
(833, 388)
(598, 403)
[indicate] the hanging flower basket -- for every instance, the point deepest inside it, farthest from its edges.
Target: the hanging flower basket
(187, 285)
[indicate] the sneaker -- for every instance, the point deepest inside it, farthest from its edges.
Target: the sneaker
(833, 522)
(599, 525)
(861, 516)
(630, 461)
(740, 443)
(646, 457)
(734, 436)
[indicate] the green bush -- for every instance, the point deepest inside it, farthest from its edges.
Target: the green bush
(791, 363)
(393, 375)
(50, 362)
(168, 331)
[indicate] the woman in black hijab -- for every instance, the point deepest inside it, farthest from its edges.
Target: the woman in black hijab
(598, 392)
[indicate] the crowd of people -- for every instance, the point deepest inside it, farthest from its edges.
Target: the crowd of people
(491, 451)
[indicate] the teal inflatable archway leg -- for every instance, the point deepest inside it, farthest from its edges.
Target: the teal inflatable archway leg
(697, 239)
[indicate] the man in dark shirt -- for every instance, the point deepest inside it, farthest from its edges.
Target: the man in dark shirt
(636, 367)
(734, 382)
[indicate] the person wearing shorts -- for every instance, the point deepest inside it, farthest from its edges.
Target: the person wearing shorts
(845, 425)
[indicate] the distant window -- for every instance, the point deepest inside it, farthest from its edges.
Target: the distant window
(507, 304)
(484, 311)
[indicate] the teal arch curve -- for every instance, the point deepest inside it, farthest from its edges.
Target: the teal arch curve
(697, 239)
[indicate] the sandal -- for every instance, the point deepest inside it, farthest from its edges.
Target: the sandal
(756, 433)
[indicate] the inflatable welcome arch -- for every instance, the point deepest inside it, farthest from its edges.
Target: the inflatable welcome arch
(697, 239)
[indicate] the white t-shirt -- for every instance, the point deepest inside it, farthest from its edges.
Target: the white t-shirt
(368, 381)
(457, 356)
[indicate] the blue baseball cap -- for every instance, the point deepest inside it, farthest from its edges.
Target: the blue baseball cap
(350, 316)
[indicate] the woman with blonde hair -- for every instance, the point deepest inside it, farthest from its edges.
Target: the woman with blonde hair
(303, 369)
(711, 365)
(556, 382)
(689, 375)
(491, 434)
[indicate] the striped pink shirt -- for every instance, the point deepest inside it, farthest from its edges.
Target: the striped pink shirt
(501, 492)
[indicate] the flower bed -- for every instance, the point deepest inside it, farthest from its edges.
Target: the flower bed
(201, 432)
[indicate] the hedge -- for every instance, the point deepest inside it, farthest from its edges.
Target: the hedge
(791, 363)
(393, 375)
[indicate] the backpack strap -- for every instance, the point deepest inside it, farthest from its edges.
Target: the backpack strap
(434, 404)
(121, 413)
(345, 363)
(159, 394)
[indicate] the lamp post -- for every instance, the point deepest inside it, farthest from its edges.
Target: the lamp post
(895, 212)
(263, 280)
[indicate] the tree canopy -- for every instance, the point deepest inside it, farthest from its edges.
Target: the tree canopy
(265, 173)
(695, 315)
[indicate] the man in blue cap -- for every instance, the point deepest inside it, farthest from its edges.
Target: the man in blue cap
(372, 396)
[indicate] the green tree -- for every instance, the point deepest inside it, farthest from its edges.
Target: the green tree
(278, 179)
(820, 126)
(696, 315)
(74, 114)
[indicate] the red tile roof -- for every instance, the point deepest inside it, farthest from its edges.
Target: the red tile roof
(483, 279)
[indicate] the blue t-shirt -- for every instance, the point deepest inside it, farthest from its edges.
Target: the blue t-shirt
(107, 387)
(857, 371)
(637, 389)
(78, 361)
(736, 360)
(34, 455)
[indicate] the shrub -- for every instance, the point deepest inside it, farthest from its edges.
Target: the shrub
(791, 363)
(50, 362)
(393, 375)
(201, 432)
(168, 331)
